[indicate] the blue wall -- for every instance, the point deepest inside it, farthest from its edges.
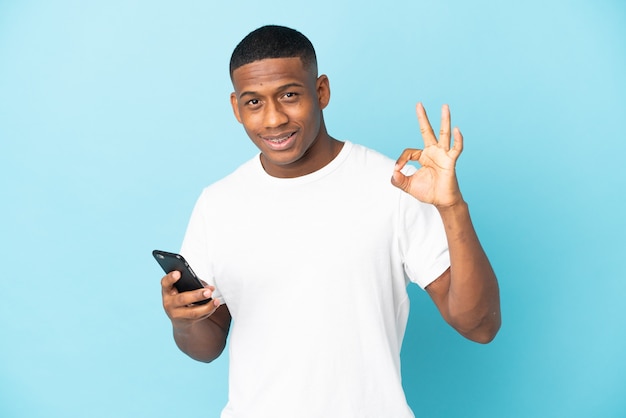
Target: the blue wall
(114, 115)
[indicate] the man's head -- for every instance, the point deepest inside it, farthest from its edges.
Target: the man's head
(279, 99)
(273, 41)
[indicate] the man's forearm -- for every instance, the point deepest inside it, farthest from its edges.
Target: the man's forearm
(473, 300)
(203, 340)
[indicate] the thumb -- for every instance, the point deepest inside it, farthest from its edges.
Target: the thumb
(400, 180)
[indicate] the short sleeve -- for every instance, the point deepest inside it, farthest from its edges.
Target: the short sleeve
(423, 242)
(195, 247)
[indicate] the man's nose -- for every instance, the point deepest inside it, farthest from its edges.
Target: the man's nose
(274, 115)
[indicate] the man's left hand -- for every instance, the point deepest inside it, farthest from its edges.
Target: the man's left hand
(435, 181)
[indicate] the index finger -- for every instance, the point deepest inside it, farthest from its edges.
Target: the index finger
(409, 154)
(428, 135)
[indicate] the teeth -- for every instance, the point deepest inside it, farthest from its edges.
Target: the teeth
(279, 140)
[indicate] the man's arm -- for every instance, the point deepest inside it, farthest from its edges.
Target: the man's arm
(467, 293)
(200, 331)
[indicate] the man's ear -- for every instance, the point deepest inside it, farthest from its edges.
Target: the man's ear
(235, 105)
(322, 86)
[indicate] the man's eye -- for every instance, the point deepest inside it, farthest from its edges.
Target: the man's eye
(253, 102)
(290, 95)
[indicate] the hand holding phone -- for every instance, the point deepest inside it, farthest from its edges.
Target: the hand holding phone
(175, 262)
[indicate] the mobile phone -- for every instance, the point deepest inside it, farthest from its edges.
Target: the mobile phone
(175, 262)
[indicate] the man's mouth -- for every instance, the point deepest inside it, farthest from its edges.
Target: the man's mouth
(279, 139)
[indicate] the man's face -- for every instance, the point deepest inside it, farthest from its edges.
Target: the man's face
(279, 103)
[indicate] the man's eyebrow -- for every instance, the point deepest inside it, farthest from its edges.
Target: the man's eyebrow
(279, 89)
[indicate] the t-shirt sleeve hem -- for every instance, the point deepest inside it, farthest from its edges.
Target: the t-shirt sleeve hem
(436, 270)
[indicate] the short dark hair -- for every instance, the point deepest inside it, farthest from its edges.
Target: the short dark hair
(272, 41)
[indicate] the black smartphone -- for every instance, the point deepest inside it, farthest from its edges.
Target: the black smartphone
(188, 279)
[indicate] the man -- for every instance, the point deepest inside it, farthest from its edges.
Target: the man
(309, 248)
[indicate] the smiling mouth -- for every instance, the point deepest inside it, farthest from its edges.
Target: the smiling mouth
(277, 140)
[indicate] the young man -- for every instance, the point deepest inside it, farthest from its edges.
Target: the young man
(309, 248)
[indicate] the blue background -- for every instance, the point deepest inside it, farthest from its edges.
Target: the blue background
(114, 115)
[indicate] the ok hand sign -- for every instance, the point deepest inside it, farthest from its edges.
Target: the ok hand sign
(435, 181)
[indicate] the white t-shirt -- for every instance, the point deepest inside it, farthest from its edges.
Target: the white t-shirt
(312, 270)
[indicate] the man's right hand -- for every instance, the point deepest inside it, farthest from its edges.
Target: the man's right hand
(179, 305)
(200, 331)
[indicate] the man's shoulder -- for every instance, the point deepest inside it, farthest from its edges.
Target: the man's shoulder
(371, 158)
